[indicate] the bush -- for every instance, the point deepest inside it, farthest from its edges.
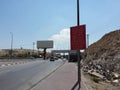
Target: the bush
(96, 80)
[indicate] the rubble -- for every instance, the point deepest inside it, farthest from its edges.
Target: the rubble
(100, 72)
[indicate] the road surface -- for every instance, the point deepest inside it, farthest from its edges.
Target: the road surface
(25, 76)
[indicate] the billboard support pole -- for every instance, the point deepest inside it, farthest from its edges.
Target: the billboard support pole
(45, 53)
(78, 51)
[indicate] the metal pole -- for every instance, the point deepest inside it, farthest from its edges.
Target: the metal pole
(79, 72)
(78, 51)
(78, 12)
(87, 40)
(33, 47)
(11, 44)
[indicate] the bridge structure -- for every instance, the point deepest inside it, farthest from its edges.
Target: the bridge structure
(60, 51)
(71, 54)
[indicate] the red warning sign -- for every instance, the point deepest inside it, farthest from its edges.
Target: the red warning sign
(78, 37)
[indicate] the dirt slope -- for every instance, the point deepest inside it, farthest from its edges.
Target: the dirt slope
(105, 51)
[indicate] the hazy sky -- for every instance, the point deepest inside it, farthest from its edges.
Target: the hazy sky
(32, 20)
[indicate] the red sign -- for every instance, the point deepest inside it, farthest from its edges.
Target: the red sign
(78, 37)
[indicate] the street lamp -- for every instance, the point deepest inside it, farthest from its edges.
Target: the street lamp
(11, 51)
(33, 47)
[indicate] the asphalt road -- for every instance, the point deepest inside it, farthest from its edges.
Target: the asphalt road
(25, 76)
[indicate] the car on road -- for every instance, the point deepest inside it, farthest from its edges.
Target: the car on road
(55, 58)
(52, 59)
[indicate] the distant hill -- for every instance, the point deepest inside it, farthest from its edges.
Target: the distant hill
(105, 51)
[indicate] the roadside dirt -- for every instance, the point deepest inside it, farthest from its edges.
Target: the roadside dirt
(91, 85)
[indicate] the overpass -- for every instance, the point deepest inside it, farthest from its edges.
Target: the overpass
(60, 51)
(72, 54)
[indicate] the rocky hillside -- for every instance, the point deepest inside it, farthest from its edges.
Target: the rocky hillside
(106, 52)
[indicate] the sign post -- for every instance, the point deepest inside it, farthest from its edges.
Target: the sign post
(78, 42)
(78, 51)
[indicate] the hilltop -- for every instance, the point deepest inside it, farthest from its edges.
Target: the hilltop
(105, 51)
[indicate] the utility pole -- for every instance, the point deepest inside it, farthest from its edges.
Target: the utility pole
(33, 47)
(11, 51)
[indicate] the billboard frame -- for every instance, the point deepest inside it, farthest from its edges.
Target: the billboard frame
(44, 44)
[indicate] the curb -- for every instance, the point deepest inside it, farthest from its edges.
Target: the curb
(10, 64)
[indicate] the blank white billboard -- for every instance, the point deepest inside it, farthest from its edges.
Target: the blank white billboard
(45, 44)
